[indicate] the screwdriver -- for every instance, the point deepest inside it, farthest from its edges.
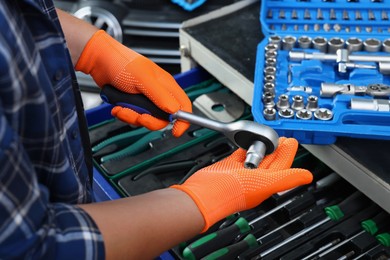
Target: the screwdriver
(370, 226)
(350, 205)
(213, 242)
(234, 250)
(226, 236)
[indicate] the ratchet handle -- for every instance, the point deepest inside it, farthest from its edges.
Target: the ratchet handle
(137, 102)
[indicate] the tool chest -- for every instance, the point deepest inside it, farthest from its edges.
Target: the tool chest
(322, 69)
(301, 215)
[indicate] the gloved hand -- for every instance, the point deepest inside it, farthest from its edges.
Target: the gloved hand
(226, 187)
(110, 62)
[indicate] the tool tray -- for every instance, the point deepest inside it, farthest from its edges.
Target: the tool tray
(333, 82)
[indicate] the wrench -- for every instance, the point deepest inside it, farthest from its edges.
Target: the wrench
(259, 140)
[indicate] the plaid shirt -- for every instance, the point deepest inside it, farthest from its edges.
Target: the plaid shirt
(44, 171)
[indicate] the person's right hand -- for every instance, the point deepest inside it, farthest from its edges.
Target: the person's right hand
(227, 186)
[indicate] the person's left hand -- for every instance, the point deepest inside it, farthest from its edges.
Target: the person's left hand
(110, 62)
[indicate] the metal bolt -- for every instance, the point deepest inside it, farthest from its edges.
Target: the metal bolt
(184, 50)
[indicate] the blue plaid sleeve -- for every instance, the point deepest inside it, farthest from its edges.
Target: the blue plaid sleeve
(44, 173)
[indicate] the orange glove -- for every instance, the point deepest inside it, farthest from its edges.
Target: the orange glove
(226, 187)
(110, 62)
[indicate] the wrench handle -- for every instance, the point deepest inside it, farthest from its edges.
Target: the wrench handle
(137, 102)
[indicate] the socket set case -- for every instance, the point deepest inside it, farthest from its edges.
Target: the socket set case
(323, 69)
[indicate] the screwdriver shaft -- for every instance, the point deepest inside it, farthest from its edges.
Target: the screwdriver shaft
(295, 236)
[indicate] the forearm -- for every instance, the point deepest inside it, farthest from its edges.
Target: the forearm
(144, 226)
(77, 33)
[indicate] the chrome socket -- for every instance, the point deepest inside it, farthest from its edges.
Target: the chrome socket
(288, 42)
(269, 87)
(304, 42)
(354, 44)
(372, 45)
(386, 45)
(270, 70)
(323, 114)
(286, 113)
(320, 44)
(283, 102)
(270, 47)
(275, 39)
(312, 103)
(270, 62)
(271, 54)
(269, 78)
(304, 114)
(268, 100)
(297, 102)
(269, 113)
(335, 44)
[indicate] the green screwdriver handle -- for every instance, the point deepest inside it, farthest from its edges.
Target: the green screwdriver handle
(234, 250)
(216, 240)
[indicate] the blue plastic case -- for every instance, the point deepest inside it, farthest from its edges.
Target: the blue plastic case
(342, 21)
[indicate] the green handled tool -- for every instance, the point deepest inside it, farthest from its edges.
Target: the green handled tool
(225, 236)
(234, 250)
(350, 205)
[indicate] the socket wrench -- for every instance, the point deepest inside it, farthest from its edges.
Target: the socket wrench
(259, 140)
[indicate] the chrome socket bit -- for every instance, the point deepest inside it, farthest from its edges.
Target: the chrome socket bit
(386, 45)
(304, 42)
(354, 44)
(271, 47)
(335, 44)
(269, 87)
(283, 102)
(270, 62)
(370, 104)
(286, 113)
(372, 45)
(324, 114)
(297, 102)
(275, 39)
(268, 100)
(320, 44)
(304, 114)
(288, 42)
(269, 113)
(271, 54)
(312, 103)
(270, 70)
